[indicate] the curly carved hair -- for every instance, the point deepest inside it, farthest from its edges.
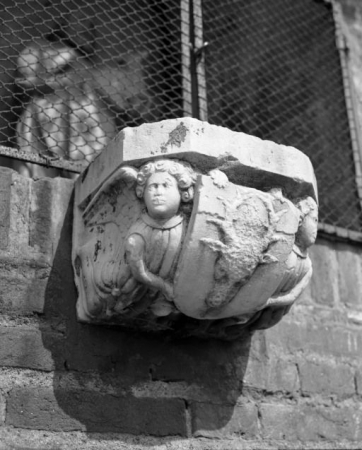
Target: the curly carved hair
(181, 171)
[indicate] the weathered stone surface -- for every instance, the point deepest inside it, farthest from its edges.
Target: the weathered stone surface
(273, 375)
(310, 423)
(278, 421)
(21, 439)
(325, 267)
(23, 285)
(325, 340)
(349, 275)
(2, 409)
(318, 377)
(218, 421)
(49, 203)
(63, 410)
(5, 195)
(359, 380)
(27, 347)
(238, 154)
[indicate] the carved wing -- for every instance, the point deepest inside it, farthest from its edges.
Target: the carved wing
(100, 257)
(113, 199)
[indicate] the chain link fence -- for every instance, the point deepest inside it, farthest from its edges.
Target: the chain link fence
(74, 73)
(273, 70)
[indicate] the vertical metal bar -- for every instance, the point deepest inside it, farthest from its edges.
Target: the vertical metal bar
(199, 60)
(186, 58)
(350, 97)
(193, 65)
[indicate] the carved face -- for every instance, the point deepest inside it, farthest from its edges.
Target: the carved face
(162, 196)
(307, 232)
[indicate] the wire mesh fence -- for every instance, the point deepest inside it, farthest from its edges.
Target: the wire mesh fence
(74, 72)
(273, 70)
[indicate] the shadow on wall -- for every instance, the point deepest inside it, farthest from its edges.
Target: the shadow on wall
(108, 380)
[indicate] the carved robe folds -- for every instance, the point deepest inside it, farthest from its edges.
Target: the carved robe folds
(188, 227)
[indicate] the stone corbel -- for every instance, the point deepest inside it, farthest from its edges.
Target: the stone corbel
(190, 228)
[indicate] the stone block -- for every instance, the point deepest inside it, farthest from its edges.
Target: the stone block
(2, 409)
(349, 275)
(317, 377)
(50, 199)
(19, 216)
(41, 215)
(5, 195)
(317, 423)
(324, 283)
(278, 421)
(256, 374)
(30, 348)
(23, 285)
(282, 376)
(219, 421)
(359, 380)
(61, 410)
(320, 339)
(310, 423)
(194, 140)
(274, 375)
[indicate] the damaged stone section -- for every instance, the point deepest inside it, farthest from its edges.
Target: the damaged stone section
(176, 137)
(209, 241)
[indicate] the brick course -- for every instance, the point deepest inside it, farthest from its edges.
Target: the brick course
(311, 423)
(61, 410)
(218, 421)
(31, 348)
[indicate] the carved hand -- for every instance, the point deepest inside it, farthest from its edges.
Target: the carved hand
(135, 247)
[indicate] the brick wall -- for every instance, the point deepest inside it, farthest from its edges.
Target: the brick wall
(68, 385)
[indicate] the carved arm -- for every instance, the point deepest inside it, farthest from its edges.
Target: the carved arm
(289, 298)
(135, 247)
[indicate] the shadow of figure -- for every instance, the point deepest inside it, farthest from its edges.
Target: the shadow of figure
(112, 380)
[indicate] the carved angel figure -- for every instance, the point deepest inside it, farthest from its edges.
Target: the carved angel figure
(131, 268)
(298, 268)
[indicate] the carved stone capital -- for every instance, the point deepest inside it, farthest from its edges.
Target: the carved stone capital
(192, 228)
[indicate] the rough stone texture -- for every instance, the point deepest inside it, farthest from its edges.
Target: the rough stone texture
(5, 183)
(218, 421)
(18, 439)
(326, 378)
(310, 423)
(272, 375)
(23, 285)
(359, 380)
(325, 267)
(91, 411)
(23, 346)
(349, 276)
(237, 154)
(2, 409)
(330, 340)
